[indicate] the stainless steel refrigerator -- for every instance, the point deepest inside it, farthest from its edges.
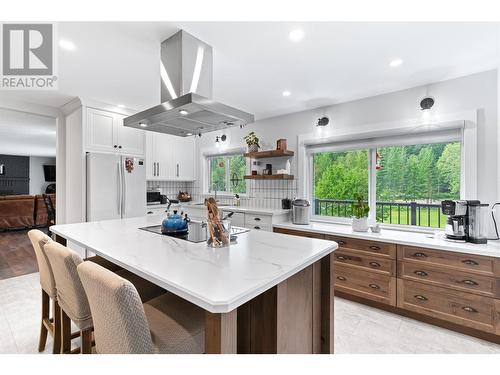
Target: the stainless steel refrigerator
(116, 186)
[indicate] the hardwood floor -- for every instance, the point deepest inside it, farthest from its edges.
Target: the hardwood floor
(17, 256)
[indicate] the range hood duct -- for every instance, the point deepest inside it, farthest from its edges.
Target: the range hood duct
(187, 108)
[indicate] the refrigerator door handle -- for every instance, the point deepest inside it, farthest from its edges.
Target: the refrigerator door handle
(119, 188)
(124, 192)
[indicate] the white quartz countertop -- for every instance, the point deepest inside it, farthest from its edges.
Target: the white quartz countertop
(492, 248)
(218, 280)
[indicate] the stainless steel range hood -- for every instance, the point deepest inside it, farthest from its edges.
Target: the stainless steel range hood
(186, 93)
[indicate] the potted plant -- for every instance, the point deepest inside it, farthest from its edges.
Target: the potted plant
(360, 211)
(252, 142)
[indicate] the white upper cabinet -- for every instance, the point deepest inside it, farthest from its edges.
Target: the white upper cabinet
(100, 130)
(170, 158)
(106, 133)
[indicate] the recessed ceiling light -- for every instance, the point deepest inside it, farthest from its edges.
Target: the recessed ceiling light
(296, 35)
(67, 45)
(286, 93)
(142, 125)
(395, 63)
(183, 112)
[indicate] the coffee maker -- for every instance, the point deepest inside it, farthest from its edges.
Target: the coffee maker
(466, 220)
(455, 223)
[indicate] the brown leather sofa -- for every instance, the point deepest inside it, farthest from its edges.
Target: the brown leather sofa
(23, 211)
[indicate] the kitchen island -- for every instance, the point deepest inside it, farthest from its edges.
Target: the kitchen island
(266, 293)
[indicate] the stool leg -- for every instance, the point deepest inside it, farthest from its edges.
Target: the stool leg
(56, 311)
(86, 338)
(45, 316)
(65, 333)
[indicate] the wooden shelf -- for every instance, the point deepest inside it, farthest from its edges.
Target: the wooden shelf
(270, 177)
(268, 154)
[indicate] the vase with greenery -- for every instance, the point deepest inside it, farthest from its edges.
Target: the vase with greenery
(252, 142)
(360, 210)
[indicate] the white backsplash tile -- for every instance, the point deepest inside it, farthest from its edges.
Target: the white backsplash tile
(263, 194)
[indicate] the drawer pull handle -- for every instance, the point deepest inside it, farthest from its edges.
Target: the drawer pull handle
(341, 278)
(470, 262)
(256, 227)
(420, 297)
(341, 243)
(374, 286)
(257, 218)
(150, 212)
(420, 255)
(376, 248)
(469, 309)
(341, 257)
(469, 282)
(420, 273)
(375, 264)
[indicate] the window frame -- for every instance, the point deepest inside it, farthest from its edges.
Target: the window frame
(207, 183)
(452, 134)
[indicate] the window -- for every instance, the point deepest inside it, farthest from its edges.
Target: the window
(406, 186)
(338, 177)
(226, 174)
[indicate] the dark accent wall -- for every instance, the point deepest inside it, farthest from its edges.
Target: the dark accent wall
(15, 180)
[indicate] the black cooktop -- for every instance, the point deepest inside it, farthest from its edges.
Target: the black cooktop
(197, 232)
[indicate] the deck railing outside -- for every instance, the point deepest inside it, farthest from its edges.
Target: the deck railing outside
(403, 213)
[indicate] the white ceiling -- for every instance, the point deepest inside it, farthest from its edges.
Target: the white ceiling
(118, 63)
(27, 134)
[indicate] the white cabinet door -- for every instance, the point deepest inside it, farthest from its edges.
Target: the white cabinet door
(150, 156)
(164, 151)
(184, 158)
(100, 131)
(130, 141)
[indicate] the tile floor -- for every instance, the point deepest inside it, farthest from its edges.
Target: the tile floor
(358, 328)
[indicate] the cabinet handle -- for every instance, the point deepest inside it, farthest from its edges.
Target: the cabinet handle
(420, 297)
(150, 212)
(374, 286)
(157, 168)
(341, 257)
(256, 227)
(341, 243)
(375, 248)
(341, 278)
(420, 273)
(115, 146)
(177, 170)
(257, 219)
(469, 282)
(469, 309)
(420, 255)
(470, 262)
(375, 264)
(120, 146)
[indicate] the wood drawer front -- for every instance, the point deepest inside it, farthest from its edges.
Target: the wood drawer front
(455, 306)
(365, 284)
(466, 262)
(387, 250)
(299, 233)
(367, 262)
(466, 281)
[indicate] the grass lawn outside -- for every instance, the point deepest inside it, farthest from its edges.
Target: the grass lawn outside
(431, 218)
